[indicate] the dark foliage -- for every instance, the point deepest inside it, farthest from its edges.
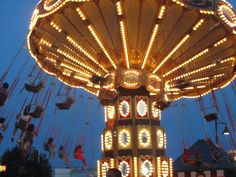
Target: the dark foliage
(230, 173)
(25, 163)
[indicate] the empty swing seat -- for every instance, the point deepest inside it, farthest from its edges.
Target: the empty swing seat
(107, 97)
(211, 117)
(3, 98)
(98, 80)
(2, 120)
(65, 105)
(162, 105)
(182, 84)
(37, 112)
(34, 88)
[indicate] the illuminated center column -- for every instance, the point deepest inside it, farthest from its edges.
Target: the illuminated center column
(133, 140)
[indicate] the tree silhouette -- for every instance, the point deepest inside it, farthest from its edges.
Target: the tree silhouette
(25, 163)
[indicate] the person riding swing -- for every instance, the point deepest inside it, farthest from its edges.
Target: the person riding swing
(3, 93)
(79, 155)
(50, 147)
(63, 155)
(22, 123)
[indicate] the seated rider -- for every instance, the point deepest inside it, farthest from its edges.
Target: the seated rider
(22, 124)
(4, 93)
(25, 147)
(30, 134)
(79, 155)
(50, 147)
(1, 137)
(2, 123)
(63, 155)
(4, 88)
(186, 156)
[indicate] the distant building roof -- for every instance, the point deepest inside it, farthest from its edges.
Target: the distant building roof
(65, 172)
(210, 156)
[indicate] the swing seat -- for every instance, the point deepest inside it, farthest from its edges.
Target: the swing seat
(3, 124)
(65, 105)
(3, 98)
(62, 155)
(162, 105)
(107, 97)
(182, 84)
(113, 172)
(37, 112)
(45, 147)
(98, 80)
(211, 117)
(22, 124)
(2, 120)
(34, 88)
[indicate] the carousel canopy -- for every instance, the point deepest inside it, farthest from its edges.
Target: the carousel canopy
(182, 48)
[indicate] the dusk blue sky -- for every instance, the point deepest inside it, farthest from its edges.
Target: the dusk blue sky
(182, 120)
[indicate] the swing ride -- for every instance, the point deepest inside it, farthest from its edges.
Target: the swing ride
(137, 57)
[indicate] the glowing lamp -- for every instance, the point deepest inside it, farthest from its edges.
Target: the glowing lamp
(226, 131)
(3, 168)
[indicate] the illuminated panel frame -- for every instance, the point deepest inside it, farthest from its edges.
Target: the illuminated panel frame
(135, 165)
(122, 100)
(136, 79)
(164, 166)
(104, 167)
(112, 163)
(160, 138)
(110, 115)
(154, 114)
(98, 168)
(110, 112)
(150, 160)
(147, 130)
(129, 162)
(153, 83)
(224, 18)
(102, 143)
(108, 136)
(155, 111)
(128, 130)
(140, 100)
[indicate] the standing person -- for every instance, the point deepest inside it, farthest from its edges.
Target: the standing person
(3, 93)
(50, 147)
(79, 155)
